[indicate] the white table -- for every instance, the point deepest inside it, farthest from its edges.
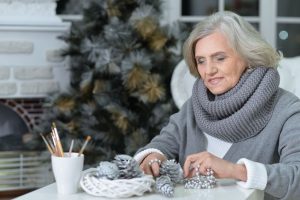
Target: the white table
(225, 189)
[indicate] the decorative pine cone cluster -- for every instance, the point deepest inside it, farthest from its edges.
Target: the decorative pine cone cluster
(125, 167)
(171, 173)
(122, 167)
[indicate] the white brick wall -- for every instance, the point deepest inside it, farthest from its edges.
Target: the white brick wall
(34, 72)
(16, 47)
(54, 55)
(8, 88)
(39, 87)
(30, 61)
(4, 73)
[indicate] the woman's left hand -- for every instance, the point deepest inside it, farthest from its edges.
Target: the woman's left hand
(201, 162)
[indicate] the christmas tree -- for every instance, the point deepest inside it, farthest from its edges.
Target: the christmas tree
(121, 61)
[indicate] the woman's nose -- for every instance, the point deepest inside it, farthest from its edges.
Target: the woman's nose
(211, 68)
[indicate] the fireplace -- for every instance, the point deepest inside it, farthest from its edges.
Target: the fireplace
(21, 168)
(17, 120)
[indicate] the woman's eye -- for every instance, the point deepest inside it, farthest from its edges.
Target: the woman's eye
(221, 58)
(200, 61)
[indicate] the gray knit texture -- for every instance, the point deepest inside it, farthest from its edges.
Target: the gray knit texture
(240, 113)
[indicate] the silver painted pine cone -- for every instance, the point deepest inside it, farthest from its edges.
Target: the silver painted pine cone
(173, 170)
(108, 170)
(128, 167)
(165, 186)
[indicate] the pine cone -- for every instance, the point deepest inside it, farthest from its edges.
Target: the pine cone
(128, 167)
(165, 186)
(108, 170)
(173, 170)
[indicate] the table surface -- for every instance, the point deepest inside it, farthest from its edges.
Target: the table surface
(225, 189)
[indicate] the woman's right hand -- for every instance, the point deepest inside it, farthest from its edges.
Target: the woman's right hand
(151, 163)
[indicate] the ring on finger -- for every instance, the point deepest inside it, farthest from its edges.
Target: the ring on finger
(197, 169)
(154, 161)
(209, 172)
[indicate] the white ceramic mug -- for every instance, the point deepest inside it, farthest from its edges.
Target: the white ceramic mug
(67, 172)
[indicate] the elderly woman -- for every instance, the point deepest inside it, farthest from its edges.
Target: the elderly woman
(238, 122)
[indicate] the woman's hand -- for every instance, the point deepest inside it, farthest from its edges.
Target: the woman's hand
(150, 164)
(222, 168)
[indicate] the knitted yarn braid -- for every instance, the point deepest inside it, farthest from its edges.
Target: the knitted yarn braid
(240, 113)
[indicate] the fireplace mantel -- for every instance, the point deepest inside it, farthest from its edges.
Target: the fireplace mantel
(28, 12)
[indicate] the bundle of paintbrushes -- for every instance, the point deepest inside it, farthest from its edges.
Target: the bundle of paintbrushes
(54, 145)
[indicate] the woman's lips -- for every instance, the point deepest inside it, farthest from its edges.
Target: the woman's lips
(214, 81)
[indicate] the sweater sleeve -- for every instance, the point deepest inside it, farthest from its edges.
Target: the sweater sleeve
(284, 177)
(139, 157)
(256, 175)
(168, 141)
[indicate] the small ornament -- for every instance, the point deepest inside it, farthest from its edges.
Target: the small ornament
(201, 181)
(173, 170)
(108, 170)
(165, 186)
(128, 167)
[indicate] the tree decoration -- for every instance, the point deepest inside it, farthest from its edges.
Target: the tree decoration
(121, 61)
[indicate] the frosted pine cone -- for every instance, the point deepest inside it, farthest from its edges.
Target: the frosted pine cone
(165, 186)
(128, 167)
(108, 170)
(173, 170)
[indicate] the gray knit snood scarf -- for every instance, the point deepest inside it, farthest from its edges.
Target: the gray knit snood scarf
(240, 113)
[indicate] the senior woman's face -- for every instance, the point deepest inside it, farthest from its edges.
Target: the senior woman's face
(218, 65)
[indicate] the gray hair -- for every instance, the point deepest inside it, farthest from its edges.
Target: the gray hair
(243, 37)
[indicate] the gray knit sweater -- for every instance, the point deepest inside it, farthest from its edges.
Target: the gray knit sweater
(277, 145)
